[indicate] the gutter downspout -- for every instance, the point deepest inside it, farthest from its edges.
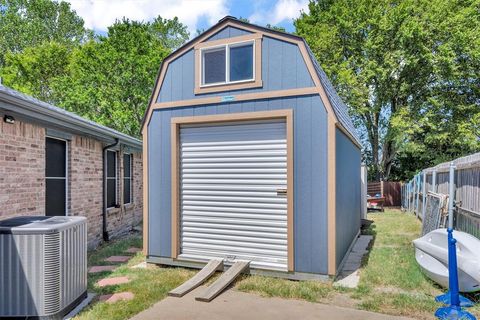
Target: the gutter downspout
(104, 197)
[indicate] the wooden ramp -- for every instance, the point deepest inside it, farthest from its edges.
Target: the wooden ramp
(202, 276)
(225, 279)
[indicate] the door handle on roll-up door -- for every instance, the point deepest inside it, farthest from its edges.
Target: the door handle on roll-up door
(281, 192)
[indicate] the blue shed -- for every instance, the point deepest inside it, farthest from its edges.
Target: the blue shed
(249, 154)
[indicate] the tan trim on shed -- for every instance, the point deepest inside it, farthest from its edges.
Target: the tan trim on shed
(237, 97)
(255, 83)
(145, 193)
(220, 42)
(175, 134)
(331, 206)
(244, 116)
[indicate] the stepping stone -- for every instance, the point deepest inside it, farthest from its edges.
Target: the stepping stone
(141, 265)
(118, 259)
(133, 250)
(97, 269)
(112, 281)
(112, 298)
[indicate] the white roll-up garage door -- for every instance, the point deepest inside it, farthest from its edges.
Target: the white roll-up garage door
(232, 192)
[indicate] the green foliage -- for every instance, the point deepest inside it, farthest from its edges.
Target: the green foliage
(409, 72)
(37, 70)
(28, 23)
(107, 79)
(276, 28)
(111, 78)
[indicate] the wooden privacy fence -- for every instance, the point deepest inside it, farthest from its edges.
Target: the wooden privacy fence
(436, 180)
(391, 190)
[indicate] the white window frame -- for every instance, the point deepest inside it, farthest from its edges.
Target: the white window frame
(109, 178)
(227, 63)
(67, 213)
(131, 178)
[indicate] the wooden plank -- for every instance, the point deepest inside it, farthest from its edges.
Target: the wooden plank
(202, 276)
(225, 279)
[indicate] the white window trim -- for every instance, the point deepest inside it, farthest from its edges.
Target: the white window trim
(227, 64)
(67, 213)
(130, 177)
(109, 178)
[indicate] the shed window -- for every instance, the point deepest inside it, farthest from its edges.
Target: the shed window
(241, 62)
(214, 66)
(127, 178)
(111, 179)
(229, 63)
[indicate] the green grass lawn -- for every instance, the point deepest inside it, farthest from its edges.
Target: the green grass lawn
(391, 281)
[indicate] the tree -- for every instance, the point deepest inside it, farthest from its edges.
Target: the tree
(28, 23)
(37, 70)
(110, 79)
(408, 71)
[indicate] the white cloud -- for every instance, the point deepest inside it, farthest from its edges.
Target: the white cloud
(99, 14)
(283, 10)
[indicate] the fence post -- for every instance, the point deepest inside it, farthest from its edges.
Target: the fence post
(451, 194)
(409, 188)
(434, 181)
(424, 194)
(413, 193)
(417, 197)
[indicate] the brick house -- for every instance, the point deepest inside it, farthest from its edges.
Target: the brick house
(53, 162)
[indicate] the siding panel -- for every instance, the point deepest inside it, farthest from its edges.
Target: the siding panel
(228, 32)
(282, 68)
(348, 193)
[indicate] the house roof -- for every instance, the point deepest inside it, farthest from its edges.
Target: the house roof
(339, 107)
(21, 105)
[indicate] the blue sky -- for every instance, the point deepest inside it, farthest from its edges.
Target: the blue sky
(196, 14)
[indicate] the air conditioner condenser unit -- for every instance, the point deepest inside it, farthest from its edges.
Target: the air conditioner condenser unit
(43, 266)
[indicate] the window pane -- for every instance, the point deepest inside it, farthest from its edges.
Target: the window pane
(55, 197)
(111, 193)
(126, 165)
(55, 158)
(214, 66)
(111, 164)
(241, 62)
(126, 191)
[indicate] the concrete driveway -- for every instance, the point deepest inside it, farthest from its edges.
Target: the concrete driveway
(235, 305)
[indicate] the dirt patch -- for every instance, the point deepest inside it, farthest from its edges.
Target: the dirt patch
(341, 300)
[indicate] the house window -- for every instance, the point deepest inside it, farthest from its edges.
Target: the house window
(111, 179)
(127, 178)
(229, 63)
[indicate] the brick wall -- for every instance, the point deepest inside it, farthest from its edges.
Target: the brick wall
(85, 185)
(22, 180)
(22, 169)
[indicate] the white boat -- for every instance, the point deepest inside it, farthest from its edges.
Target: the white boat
(431, 252)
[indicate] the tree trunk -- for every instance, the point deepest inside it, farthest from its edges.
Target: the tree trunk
(371, 123)
(388, 154)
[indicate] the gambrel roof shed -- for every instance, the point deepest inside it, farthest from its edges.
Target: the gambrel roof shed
(249, 154)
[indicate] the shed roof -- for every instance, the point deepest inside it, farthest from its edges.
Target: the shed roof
(339, 107)
(23, 105)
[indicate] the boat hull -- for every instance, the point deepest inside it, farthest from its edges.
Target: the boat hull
(431, 253)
